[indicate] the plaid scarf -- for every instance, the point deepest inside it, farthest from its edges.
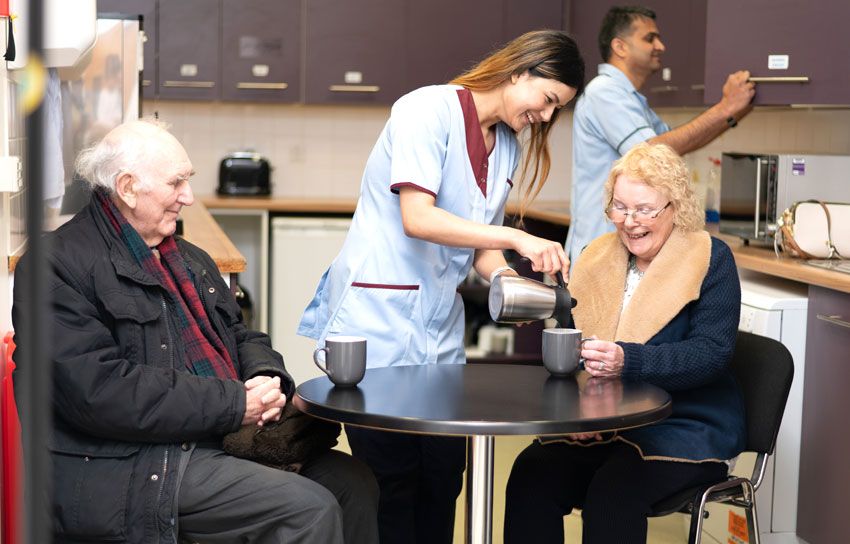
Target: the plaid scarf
(206, 354)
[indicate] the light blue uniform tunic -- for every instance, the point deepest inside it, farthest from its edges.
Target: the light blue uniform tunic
(400, 292)
(610, 118)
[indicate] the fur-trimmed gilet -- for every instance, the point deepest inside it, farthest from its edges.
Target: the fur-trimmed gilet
(677, 332)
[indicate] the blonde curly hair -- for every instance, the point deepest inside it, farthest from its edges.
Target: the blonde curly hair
(663, 169)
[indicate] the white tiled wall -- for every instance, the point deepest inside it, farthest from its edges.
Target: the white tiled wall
(320, 151)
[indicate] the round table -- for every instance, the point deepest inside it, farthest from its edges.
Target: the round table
(481, 401)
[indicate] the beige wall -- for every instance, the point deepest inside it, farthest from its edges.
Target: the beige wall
(320, 151)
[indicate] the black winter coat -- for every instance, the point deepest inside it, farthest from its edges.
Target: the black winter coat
(126, 411)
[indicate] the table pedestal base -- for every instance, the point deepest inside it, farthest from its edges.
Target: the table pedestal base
(479, 489)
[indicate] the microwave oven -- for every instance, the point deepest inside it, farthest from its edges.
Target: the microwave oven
(756, 188)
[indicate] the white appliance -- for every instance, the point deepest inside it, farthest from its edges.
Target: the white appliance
(776, 308)
(756, 188)
(69, 31)
(302, 249)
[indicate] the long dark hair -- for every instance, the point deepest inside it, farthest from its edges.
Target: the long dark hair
(543, 53)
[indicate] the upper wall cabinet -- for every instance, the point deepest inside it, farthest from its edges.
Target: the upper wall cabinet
(189, 32)
(682, 27)
(447, 37)
(261, 50)
(680, 82)
(354, 51)
(322, 51)
(147, 9)
(798, 51)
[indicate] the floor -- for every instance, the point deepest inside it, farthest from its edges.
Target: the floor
(667, 530)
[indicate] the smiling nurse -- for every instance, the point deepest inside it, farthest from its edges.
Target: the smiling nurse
(431, 207)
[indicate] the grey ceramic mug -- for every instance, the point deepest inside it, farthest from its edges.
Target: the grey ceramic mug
(345, 359)
(562, 350)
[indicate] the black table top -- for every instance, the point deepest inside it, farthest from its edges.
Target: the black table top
(484, 399)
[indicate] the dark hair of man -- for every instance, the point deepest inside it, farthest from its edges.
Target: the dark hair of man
(617, 23)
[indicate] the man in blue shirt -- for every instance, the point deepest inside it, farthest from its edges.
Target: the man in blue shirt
(612, 116)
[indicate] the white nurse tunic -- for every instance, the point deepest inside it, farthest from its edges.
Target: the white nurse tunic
(400, 292)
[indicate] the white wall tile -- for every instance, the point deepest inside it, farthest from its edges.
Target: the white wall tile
(320, 151)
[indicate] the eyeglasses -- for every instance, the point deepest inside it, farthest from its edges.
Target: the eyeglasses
(618, 214)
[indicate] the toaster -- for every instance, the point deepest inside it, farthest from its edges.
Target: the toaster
(244, 174)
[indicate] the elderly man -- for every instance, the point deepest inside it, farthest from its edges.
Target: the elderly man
(153, 365)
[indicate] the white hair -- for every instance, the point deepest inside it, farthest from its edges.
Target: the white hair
(125, 149)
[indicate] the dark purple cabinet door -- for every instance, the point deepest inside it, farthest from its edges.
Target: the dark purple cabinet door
(189, 32)
(524, 15)
(823, 502)
(585, 19)
(354, 51)
(447, 37)
(261, 50)
(680, 81)
(682, 27)
(756, 34)
(147, 9)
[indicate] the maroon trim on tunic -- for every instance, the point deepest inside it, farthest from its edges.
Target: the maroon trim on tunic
(511, 183)
(385, 286)
(396, 186)
(475, 146)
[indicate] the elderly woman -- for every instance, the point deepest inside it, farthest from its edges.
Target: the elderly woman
(662, 299)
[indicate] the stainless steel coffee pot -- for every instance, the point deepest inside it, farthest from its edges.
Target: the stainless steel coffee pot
(514, 299)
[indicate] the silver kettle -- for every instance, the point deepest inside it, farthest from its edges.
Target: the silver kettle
(515, 299)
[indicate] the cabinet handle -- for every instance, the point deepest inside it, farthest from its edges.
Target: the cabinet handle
(354, 88)
(262, 85)
(698, 87)
(779, 79)
(190, 84)
(146, 83)
(664, 89)
(834, 319)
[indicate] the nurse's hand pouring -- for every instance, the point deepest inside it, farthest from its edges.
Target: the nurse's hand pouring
(545, 255)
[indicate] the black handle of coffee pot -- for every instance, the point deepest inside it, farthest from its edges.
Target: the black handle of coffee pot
(560, 278)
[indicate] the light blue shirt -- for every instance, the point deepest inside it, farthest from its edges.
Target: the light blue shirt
(610, 118)
(401, 292)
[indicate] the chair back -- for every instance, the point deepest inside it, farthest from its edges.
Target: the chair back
(764, 369)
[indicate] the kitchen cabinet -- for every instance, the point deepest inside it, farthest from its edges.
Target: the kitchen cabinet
(322, 51)
(824, 472)
(261, 50)
(354, 51)
(682, 27)
(780, 39)
(446, 37)
(147, 9)
(188, 49)
(523, 15)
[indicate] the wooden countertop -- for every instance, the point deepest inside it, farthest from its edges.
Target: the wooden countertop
(751, 258)
(200, 228)
(765, 261)
(556, 212)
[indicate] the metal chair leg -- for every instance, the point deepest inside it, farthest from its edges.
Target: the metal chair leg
(752, 513)
(694, 535)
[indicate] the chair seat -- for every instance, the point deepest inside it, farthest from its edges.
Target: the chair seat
(677, 502)
(683, 501)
